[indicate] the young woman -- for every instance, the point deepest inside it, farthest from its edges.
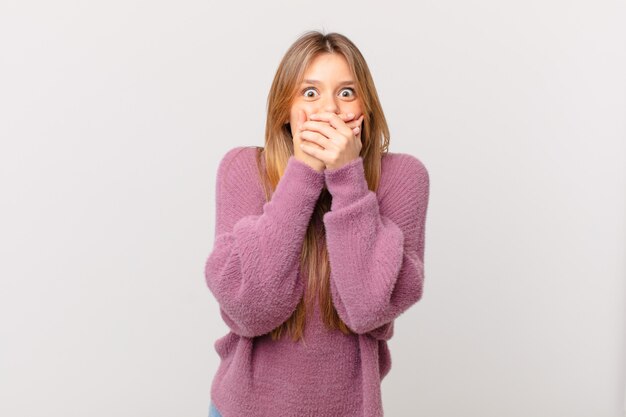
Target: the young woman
(319, 244)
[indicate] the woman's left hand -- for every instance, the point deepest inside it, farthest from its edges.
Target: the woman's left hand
(341, 143)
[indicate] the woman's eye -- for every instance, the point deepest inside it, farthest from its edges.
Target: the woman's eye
(348, 89)
(305, 91)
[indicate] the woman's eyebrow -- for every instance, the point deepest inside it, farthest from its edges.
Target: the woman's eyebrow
(319, 82)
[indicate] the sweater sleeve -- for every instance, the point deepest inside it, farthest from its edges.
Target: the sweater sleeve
(253, 268)
(376, 249)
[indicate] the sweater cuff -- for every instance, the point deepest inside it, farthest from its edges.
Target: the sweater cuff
(300, 179)
(347, 183)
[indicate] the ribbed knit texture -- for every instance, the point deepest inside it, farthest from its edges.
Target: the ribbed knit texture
(376, 249)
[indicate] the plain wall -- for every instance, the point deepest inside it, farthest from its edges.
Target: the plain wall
(114, 116)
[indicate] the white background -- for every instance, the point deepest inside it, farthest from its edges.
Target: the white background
(114, 116)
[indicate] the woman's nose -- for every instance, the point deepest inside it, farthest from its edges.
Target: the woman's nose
(330, 106)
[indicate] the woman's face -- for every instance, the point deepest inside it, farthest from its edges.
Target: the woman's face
(328, 86)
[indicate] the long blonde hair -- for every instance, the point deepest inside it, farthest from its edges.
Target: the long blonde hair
(314, 262)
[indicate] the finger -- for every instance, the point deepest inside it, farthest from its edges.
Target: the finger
(301, 118)
(322, 127)
(311, 150)
(355, 125)
(315, 138)
(334, 120)
(347, 117)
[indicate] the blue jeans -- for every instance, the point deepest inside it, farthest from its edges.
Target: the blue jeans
(213, 411)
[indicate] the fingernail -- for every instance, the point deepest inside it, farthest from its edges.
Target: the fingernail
(313, 115)
(350, 114)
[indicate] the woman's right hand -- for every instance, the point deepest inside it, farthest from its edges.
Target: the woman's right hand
(313, 162)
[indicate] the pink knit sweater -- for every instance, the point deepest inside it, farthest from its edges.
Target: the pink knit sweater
(376, 249)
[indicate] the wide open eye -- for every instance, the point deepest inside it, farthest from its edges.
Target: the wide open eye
(348, 89)
(307, 89)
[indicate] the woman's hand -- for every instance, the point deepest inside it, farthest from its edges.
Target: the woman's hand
(297, 131)
(299, 154)
(328, 138)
